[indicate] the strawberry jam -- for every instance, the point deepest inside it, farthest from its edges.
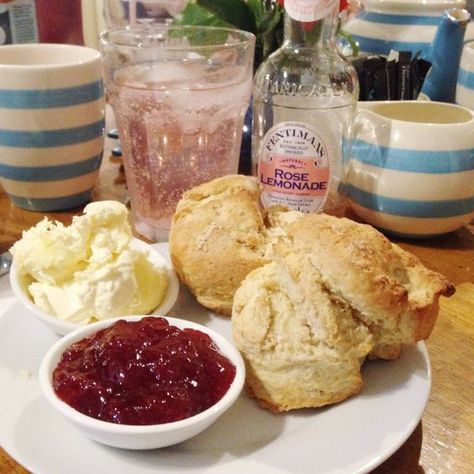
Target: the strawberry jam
(143, 372)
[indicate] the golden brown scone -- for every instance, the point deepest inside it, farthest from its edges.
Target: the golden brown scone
(390, 290)
(335, 293)
(217, 238)
(219, 233)
(302, 347)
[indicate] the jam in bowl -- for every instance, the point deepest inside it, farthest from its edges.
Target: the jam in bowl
(142, 382)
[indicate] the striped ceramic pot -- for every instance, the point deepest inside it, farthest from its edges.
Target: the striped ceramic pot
(465, 84)
(401, 25)
(411, 167)
(51, 124)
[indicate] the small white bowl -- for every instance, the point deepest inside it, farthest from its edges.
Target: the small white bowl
(143, 436)
(62, 327)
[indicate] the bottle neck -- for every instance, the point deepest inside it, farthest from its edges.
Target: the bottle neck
(314, 34)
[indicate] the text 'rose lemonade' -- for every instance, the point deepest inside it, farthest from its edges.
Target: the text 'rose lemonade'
(180, 125)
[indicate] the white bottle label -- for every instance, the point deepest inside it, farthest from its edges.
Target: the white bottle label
(18, 22)
(309, 10)
(293, 168)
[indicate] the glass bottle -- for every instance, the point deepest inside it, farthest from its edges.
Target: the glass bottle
(304, 99)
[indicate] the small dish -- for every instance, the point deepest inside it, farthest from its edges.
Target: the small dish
(62, 327)
(143, 436)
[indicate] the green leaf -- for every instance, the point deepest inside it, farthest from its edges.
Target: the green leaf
(261, 17)
(258, 10)
(235, 12)
(194, 14)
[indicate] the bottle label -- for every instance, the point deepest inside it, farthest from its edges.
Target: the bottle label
(18, 22)
(293, 168)
(309, 10)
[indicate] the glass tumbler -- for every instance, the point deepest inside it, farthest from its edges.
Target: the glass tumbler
(179, 94)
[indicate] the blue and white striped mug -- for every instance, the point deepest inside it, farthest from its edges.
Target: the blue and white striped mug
(465, 84)
(411, 167)
(51, 124)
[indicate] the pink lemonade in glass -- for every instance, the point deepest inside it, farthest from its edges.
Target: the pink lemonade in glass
(180, 124)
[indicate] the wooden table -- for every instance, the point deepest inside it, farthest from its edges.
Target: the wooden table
(443, 442)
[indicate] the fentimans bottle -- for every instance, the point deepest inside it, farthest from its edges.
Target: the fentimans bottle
(304, 99)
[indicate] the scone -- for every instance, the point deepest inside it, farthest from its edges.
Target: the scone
(335, 293)
(216, 239)
(219, 233)
(301, 346)
(389, 290)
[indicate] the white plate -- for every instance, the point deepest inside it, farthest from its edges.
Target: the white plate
(352, 437)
